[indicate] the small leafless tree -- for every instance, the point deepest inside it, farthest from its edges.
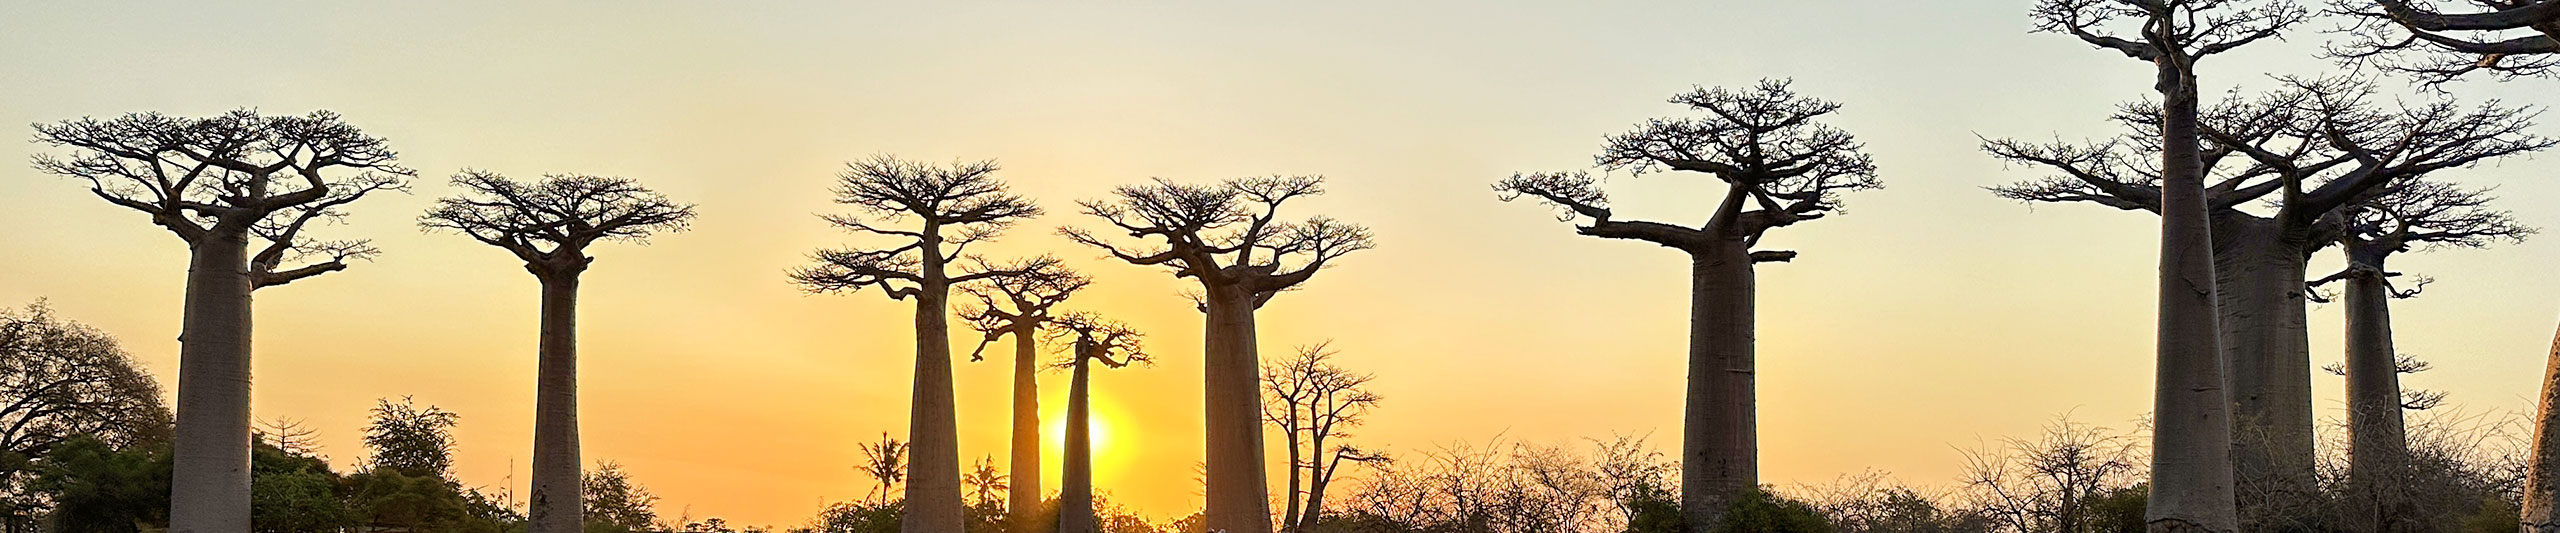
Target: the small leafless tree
(2442, 40)
(952, 207)
(1091, 339)
(549, 224)
(1780, 165)
(1228, 236)
(220, 184)
(2051, 482)
(1312, 401)
(1020, 305)
(290, 436)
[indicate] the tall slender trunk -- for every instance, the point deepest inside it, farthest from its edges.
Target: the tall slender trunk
(1298, 470)
(2542, 479)
(1319, 476)
(2377, 440)
(1024, 500)
(1720, 445)
(1075, 501)
(2259, 268)
(558, 504)
(933, 465)
(1238, 494)
(209, 483)
(2191, 478)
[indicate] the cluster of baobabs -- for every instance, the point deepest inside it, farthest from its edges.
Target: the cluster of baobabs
(2332, 166)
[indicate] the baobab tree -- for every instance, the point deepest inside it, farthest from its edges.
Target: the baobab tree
(1019, 305)
(2191, 487)
(221, 184)
(1312, 401)
(1780, 165)
(2305, 151)
(2505, 38)
(2417, 214)
(953, 207)
(1230, 238)
(1091, 339)
(549, 224)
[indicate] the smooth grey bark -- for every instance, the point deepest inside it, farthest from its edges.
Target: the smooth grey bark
(2191, 468)
(1720, 448)
(209, 478)
(933, 430)
(2542, 477)
(1023, 502)
(2377, 436)
(1232, 400)
(557, 504)
(1075, 497)
(2260, 265)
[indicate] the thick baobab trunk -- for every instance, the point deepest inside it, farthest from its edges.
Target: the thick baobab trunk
(209, 486)
(1237, 493)
(1075, 499)
(1720, 442)
(1023, 501)
(2542, 479)
(2377, 442)
(2258, 273)
(2191, 478)
(558, 505)
(933, 468)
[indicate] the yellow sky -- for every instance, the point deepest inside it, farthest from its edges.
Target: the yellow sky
(1930, 316)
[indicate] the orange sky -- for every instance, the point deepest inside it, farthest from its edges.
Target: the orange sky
(1930, 316)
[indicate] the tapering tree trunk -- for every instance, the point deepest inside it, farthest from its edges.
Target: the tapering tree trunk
(209, 483)
(2191, 478)
(1024, 501)
(2542, 478)
(1238, 499)
(2259, 270)
(2377, 442)
(1075, 500)
(1720, 444)
(1318, 478)
(1298, 470)
(933, 466)
(558, 505)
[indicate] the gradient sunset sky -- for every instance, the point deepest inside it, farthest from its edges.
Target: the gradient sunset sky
(1931, 316)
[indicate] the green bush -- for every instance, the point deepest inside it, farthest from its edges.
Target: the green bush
(1757, 511)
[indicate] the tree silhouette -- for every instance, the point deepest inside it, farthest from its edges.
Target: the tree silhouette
(2506, 38)
(2415, 214)
(984, 482)
(886, 463)
(2191, 486)
(413, 441)
(1230, 238)
(59, 381)
(964, 198)
(2306, 151)
(221, 183)
(549, 224)
(1091, 339)
(1780, 166)
(1312, 401)
(1019, 305)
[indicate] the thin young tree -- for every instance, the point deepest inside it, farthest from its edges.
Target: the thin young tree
(1019, 305)
(2304, 152)
(2422, 38)
(549, 224)
(1091, 339)
(1779, 165)
(1313, 401)
(222, 184)
(1230, 238)
(2191, 470)
(2422, 214)
(952, 207)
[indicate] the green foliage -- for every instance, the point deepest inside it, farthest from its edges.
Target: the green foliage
(2496, 515)
(293, 494)
(386, 497)
(1651, 513)
(97, 488)
(860, 517)
(415, 441)
(2121, 510)
(615, 503)
(1757, 511)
